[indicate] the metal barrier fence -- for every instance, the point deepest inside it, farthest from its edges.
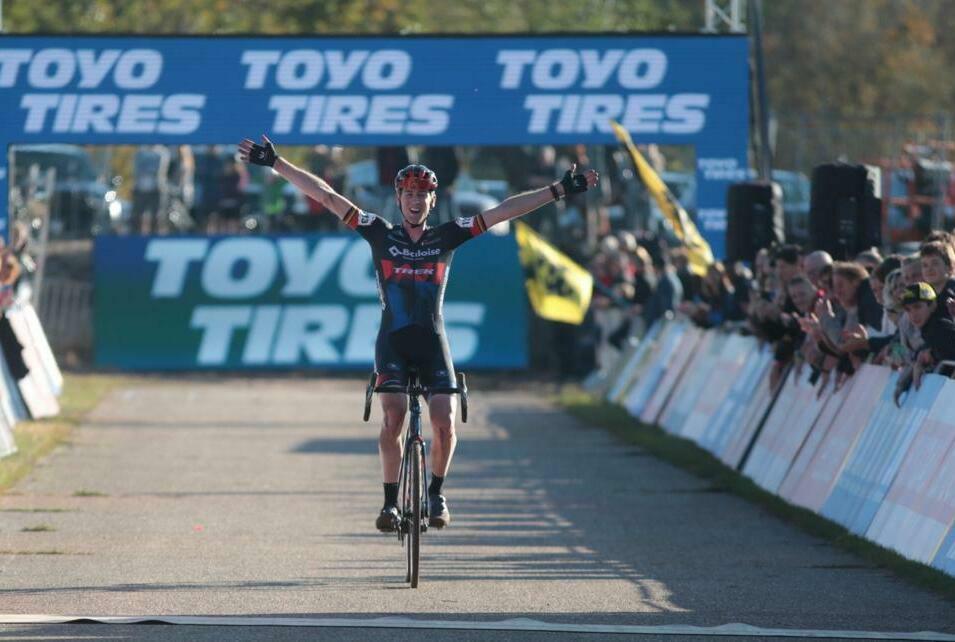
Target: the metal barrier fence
(66, 312)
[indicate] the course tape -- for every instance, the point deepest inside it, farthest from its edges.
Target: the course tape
(517, 624)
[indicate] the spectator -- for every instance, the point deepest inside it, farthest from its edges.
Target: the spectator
(667, 294)
(763, 266)
(801, 294)
(938, 269)
(850, 285)
(691, 283)
(231, 184)
(912, 269)
(877, 282)
(786, 267)
(716, 303)
(818, 267)
(150, 187)
(935, 326)
(870, 259)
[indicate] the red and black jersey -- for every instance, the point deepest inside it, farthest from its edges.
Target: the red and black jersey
(412, 275)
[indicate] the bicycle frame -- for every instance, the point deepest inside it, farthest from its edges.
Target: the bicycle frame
(413, 436)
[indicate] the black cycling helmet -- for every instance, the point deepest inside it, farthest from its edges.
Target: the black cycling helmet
(416, 177)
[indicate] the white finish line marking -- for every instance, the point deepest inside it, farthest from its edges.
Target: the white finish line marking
(519, 624)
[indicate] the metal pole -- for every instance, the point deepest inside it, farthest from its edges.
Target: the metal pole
(1, 16)
(764, 157)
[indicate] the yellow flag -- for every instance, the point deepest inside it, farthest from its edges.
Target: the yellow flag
(698, 250)
(558, 288)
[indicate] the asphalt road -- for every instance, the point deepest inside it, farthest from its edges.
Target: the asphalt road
(256, 498)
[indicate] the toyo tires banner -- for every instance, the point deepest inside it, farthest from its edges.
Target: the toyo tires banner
(260, 302)
(516, 90)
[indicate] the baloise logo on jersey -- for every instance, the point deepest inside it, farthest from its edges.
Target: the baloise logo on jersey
(277, 302)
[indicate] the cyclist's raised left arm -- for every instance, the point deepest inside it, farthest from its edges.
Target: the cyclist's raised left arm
(526, 202)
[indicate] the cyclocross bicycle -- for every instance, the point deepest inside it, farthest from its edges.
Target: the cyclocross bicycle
(414, 507)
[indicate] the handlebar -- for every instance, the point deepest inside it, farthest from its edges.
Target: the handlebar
(461, 389)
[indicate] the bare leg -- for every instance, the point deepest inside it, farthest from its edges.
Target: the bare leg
(394, 406)
(442, 408)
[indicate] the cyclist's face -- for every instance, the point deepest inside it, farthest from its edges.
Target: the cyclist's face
(416, 204)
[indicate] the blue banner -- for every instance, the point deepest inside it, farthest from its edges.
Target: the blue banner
(677, 90)
(257, 302)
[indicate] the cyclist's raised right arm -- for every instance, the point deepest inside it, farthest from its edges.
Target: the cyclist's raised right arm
(310, 184)
(315, 187)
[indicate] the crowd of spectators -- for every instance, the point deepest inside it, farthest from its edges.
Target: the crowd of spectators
(831, 316)
(828, 315)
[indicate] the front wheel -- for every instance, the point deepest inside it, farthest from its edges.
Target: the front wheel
(414, 529)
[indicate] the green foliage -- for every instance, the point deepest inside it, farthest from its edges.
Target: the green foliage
(845, 77)
(306, 17)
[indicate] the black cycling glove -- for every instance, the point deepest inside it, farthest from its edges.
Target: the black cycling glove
(263, 154)
(573, 183)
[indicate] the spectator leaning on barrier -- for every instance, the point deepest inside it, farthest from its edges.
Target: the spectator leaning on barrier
(667, 294)
(818, 267)
(935, 326)
(894, 354)
(873, 339)
(912, 269)
(849, 322)
(938, 269)
(716, 303)
(877, 282)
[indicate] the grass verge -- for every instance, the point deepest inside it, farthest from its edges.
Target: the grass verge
(687, 455)
(81, 393)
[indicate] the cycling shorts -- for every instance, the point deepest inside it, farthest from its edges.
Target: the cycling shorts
(413, 349)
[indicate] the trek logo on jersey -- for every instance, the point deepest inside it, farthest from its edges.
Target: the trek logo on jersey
(405, 272)
(412, 254)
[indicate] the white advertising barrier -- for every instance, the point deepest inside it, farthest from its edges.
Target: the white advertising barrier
(648, 377)
(945, 560)
(634, 362)
(825, 466)
(673, 369)
(786, 427)
(727, 418)
(35, 387)
(716, 387)
(875, 460)
(42, 346)
(752, 416)
(11, 402)
(8, 445)
(831, 411)
(689, 385)
(918, 510)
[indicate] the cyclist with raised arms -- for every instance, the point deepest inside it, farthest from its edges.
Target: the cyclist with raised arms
(412, 263)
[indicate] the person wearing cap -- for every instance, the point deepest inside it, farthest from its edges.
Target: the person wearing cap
(936, 327)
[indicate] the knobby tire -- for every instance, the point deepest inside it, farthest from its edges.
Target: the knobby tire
(414, 532)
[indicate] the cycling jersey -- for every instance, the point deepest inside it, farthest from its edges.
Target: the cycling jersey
(412, 277)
